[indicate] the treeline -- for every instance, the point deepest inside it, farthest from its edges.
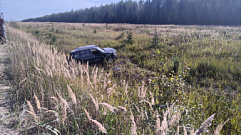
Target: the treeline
(186, 12)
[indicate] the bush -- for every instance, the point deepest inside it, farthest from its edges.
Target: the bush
(129, 39)
(155, 40)
(53, 40)
(205, 70)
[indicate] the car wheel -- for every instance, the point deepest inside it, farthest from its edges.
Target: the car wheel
(110, 60)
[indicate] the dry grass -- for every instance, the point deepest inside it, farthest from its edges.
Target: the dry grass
(33, 115)
(88, 115)
(30, 107)
(95, 101)
(109, 107)
(158, 123)
(205, 125)
(219, 127)
(71, 94)
(101, 128)
(37, 102)
(133, 124)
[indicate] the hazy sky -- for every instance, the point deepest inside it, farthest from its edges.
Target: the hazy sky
(18, 10)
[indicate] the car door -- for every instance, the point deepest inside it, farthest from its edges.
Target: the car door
(86, 55)
(98, 56)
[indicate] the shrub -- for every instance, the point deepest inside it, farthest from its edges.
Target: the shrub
(155, 40)
(205, 70)
(129, 39)
(53, 40)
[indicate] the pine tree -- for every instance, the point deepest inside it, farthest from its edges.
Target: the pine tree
(130, 38)
(155, 40)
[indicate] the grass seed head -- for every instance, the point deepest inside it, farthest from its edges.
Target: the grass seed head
(95, 101)
(164, 125)
(205, 125)
(158, 124)
(37, 102)
(88, 115)
(63, 102)
(100, 126)
(109, 107)
(54, 98)
(71, 94)
(219, 127)
(123, 109)
(33, 115)
(133, 125)
(30, 106)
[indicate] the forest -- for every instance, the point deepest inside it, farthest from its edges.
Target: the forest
(180, 12)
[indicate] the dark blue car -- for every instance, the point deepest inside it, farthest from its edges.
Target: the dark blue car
(93, 54)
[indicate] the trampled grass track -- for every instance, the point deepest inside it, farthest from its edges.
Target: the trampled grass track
(7, 117)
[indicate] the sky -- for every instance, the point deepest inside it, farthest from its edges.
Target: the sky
(17, 10)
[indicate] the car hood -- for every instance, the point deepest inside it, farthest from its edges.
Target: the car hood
(109, 50)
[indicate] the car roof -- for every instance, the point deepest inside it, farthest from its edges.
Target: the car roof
(84, 48)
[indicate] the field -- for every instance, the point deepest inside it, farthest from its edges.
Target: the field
(178, 75)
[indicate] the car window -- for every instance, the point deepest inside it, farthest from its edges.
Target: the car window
(76, 55)
(101, 50)
(85, 53)
(95, 52)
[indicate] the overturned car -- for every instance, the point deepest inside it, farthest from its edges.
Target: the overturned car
(93, 54)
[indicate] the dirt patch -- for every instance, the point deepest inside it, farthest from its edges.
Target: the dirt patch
(7, 118)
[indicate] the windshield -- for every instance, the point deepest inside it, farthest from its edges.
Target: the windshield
(101, 50)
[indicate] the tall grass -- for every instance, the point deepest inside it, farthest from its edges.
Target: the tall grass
(213, 48)
(76, 99)
(79, 99)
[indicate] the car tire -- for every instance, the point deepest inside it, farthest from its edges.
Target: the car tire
(110, 60)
